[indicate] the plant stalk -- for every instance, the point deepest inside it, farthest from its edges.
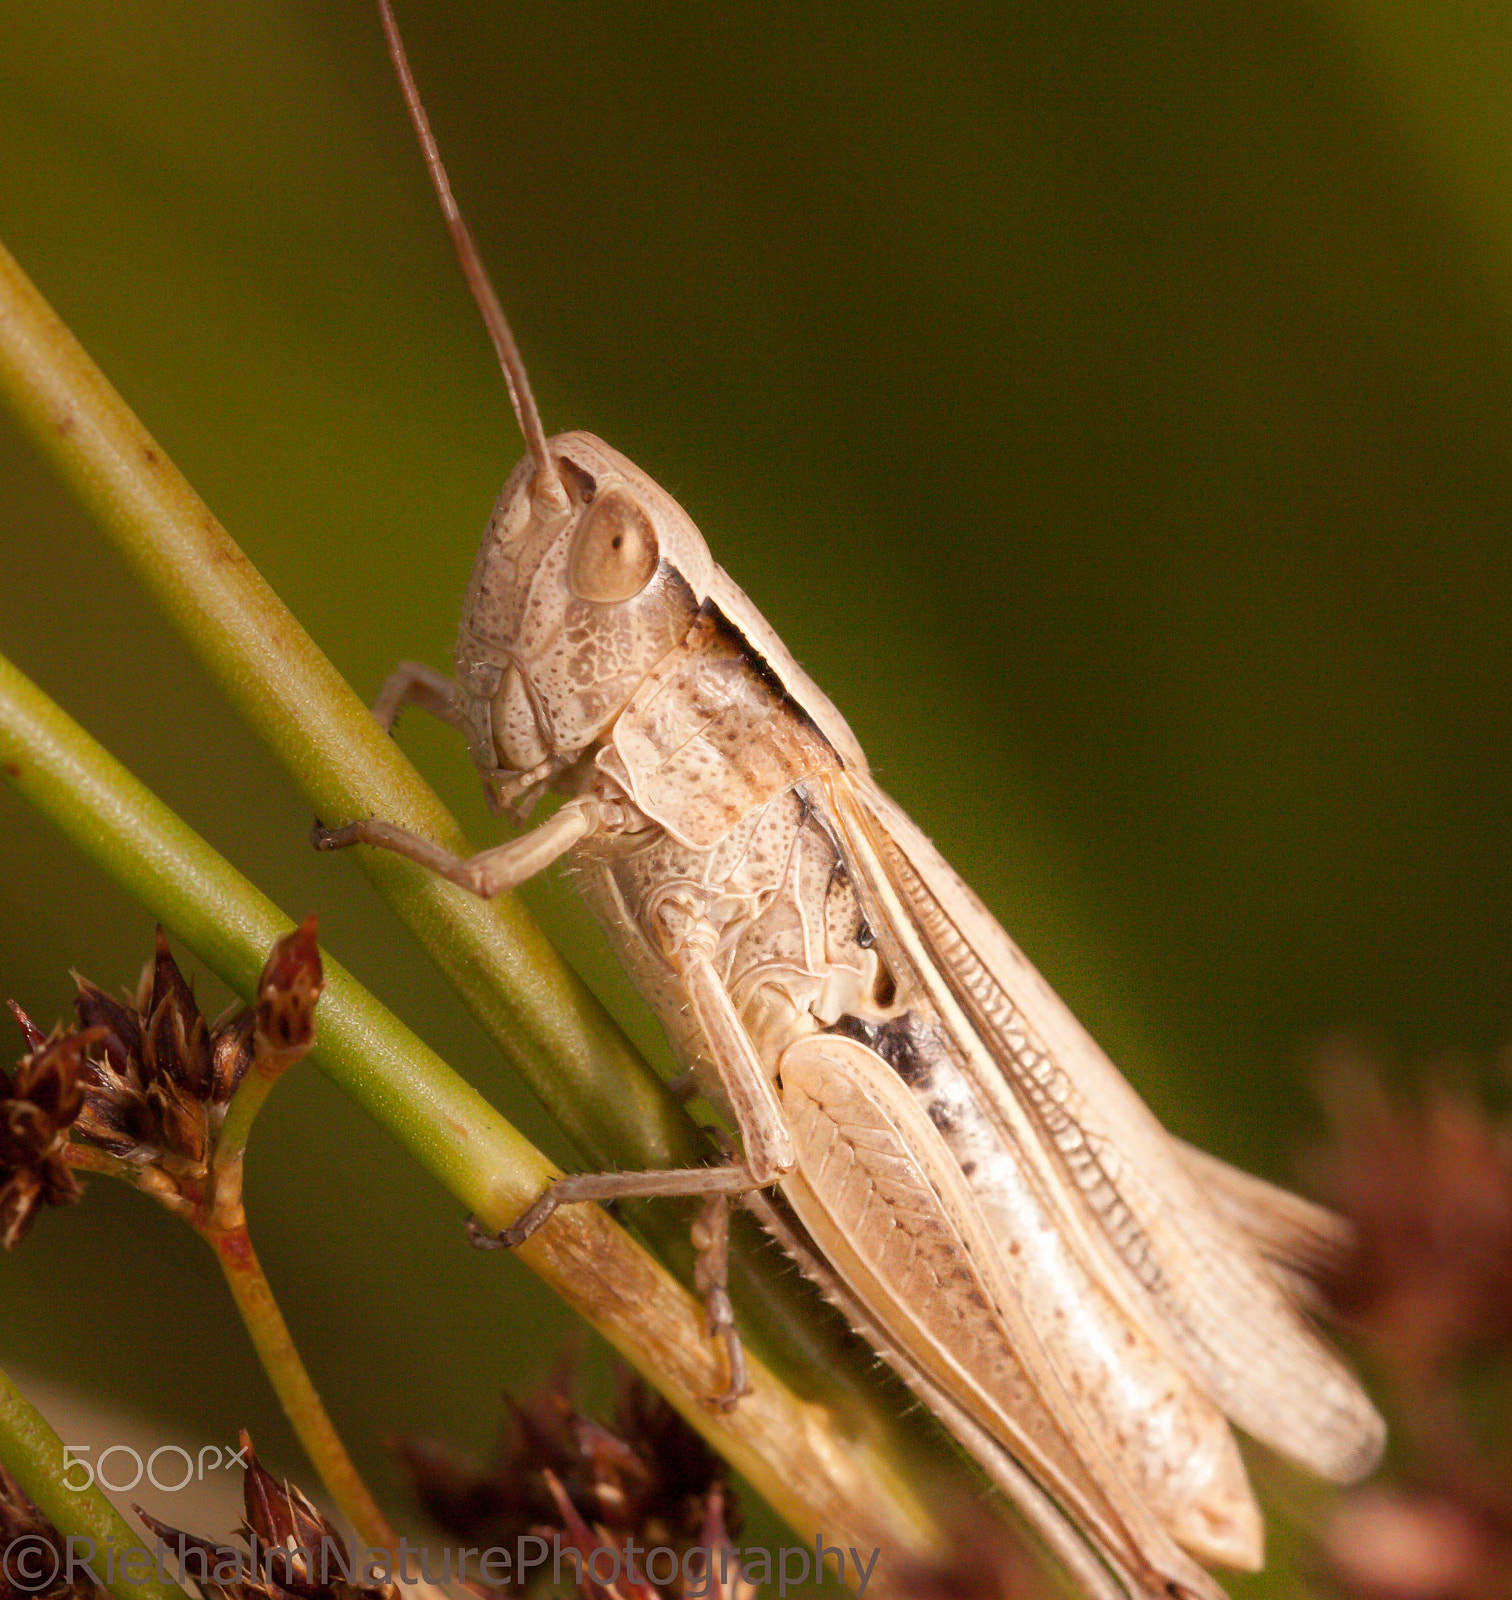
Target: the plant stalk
(291, 1382)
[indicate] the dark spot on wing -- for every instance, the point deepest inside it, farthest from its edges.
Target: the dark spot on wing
(905, 1044)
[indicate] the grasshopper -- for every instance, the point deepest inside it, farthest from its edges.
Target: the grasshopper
(1086, 1302)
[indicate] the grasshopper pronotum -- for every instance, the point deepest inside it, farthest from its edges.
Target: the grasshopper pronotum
(1085, 1301)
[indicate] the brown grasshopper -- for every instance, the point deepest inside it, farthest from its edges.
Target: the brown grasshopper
(1086, 1302)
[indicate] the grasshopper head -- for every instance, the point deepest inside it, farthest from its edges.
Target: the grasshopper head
(572, 604)
(588, 574)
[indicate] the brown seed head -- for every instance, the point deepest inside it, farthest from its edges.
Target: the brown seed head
(1427, 1184)
(1428, 1187)
(38, 1104)
(153, 1078)
(293, 1552)
(648, 1476)
(160, 1076)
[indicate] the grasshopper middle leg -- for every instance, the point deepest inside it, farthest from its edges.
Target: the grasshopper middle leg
(488, 873)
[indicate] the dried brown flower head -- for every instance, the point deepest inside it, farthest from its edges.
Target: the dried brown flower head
(714, 1573)
(1429, 1190)
(292, 1552)
(38, 1104)
(159, 1080)
(155, 1079)
(34, 1549)
(649, 1476)
(1427, 1185)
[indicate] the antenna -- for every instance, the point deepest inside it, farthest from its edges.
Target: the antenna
(547, 486)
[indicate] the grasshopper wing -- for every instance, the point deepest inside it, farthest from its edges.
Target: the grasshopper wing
(881, 1194)
(1301, 1243)
(1181, 1266)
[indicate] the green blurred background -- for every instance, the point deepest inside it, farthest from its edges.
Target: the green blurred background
(1110, 405)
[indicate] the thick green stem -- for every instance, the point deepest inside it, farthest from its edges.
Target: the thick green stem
(820, 1476)
(34, 1456)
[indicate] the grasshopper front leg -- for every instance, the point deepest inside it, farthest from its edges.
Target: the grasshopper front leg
(688, 943)
(412, 683)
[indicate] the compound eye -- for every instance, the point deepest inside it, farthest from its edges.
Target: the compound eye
(614, 553)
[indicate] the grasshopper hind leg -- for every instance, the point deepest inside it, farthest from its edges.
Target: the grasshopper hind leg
(711, 1275)
(711, 1238)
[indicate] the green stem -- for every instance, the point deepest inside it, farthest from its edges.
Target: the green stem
(34, 1456)
(251, 1094)
(819, 1475)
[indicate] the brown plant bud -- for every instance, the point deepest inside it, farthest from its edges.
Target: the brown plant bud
(156, 1086)
(156, 1078)
(38, 1104)
(176, 1042)
(33, 1035)
(575, 1534)
(230, 1053)
(293, 1552)
(714, 1571)
(287, 993)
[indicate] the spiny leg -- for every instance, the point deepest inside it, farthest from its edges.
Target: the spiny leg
(412, 683)
(711, 1238)
(486, 874)
(711, 1277)
(660, 1183)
